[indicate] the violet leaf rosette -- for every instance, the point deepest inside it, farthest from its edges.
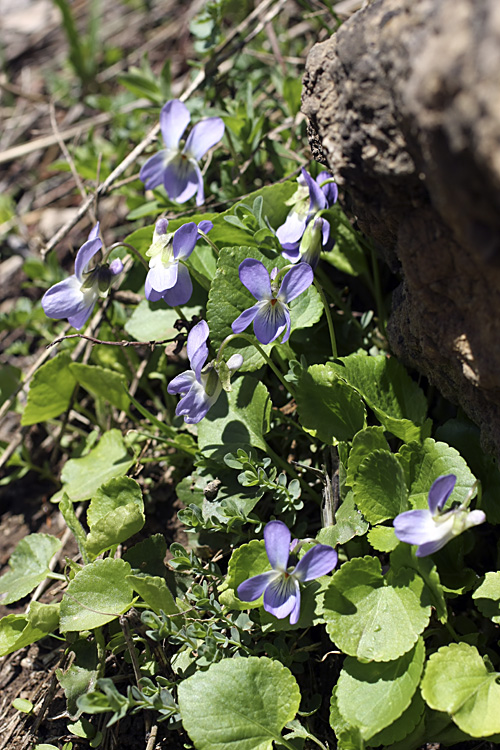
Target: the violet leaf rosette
(281, 585)
(175, 168)
(201, 386)
(168, 278)
(270, 315)
(74, 298)
(431, 529)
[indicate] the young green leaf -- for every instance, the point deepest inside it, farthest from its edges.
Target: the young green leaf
(97, 594)
(239, 419)
(239, 703)
(370, 619)
(50, 390)
(328, 407)
(457, 681)
(83, 476)
(371, 696)
(379, 488)
(487, 596)
(29, 565)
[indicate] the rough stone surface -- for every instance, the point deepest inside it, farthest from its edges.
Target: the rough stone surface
(404, 108)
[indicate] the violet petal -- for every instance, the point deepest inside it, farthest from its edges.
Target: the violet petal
(197, 349)
(174, 119)
(181, 292)
(203, 136)
(318, 561)
(440, 491)
(255, 276)
(182, 382)
(280, 596)
(277, 538)
(152, 170)
(296, 281)
(180, 179)
(246, 317)
(85, 255)
(270, 322)
(184, 240)
(254, 587)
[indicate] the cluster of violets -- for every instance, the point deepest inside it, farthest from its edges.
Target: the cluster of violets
(429, 529)
(303, 236)
(176, 168)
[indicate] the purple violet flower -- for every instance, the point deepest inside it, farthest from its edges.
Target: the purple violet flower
(311, 197)
(432, 529)
(177, 170)
(75, 297)
(270, 315)
(280, 585)
(168, 277)
(201, 386)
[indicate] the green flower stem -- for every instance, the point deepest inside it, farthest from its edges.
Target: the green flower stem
(374, 284)
(261, 351)
(133, 249)
(180, 314)
(212, 244)
(329, 320)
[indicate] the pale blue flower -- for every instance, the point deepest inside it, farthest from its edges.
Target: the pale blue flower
(75, 297)
(168, 277)
(311, 197)
(175, 168)
(200, 387)
(432, 529)
(270, 315)
(280, 585)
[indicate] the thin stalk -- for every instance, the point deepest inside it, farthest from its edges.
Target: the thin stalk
(261, 351)
(331, 329)
(207, 239)
(180, 313)
(377, 291)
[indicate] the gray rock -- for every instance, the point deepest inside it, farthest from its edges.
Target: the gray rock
(404, 108)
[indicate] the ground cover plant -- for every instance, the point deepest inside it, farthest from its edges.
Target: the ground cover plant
(333, 576)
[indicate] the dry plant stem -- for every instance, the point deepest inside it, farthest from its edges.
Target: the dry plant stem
(134, 385)
(131, 648)
(46, 141)
(68, 158)
(152, 737)
(123, 343)
(220, 54)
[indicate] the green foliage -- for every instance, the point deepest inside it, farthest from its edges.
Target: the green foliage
(372, 696)
(97, 594)
(328, 407)
(458, 682)
(371, 618)
(82, 477)
(334, 447)
(253, 699)
(29, 565)
(50, 390)
(240, 419)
